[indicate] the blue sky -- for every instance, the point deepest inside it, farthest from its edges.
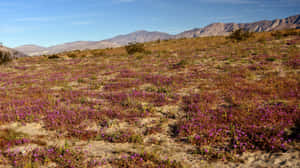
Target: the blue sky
(50, 22)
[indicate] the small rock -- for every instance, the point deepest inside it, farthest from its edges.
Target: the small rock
(277, 161)
(251, 159)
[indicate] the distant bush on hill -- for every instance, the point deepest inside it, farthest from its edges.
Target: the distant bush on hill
(240, 35)
(5, 57)
(132, 48)
(284, 33)
(72, 55)
(54, 56)
(277, 34)
(181, 64)
(291, 32)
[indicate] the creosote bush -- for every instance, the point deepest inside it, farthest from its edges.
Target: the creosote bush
(54, 56)
(132, 48)
(280, 34)
(291, 32)
(5, 57)
(277, 34)
(72, 55)
(240, 35)
(181, 64)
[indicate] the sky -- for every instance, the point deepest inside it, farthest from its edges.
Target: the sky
(52, 22)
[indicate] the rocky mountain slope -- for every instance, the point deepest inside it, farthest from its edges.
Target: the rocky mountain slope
(215, 29)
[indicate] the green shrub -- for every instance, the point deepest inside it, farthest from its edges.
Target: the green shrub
(270, 59)
(240, 35)
(132, 48)
(5, 57)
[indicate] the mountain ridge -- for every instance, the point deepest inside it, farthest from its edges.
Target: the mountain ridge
(258, 26)
(141, 36)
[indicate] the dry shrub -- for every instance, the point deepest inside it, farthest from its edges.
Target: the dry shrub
(5, 57)
(132, 48)
(240, 35)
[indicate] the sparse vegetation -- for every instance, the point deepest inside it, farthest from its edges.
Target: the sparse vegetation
(280, 34)
(185, 103)
(145, 160)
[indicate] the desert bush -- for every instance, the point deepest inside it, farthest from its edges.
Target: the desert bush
(121, 136)
(181, 64)
(290, 32)
(270, 59)
(295, 134)
(277, 34)
(240, 35)
(280, 34)
(72, 55)
(5, 57)
(132, 48)
(99, 53)
(262, 39)
(54, 56)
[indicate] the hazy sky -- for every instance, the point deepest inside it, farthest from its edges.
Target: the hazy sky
(50, 22)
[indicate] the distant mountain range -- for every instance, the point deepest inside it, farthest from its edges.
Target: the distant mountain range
(215, 29)
(32, 50)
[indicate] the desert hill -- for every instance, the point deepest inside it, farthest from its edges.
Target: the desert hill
(215, 29)
(12, 52)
